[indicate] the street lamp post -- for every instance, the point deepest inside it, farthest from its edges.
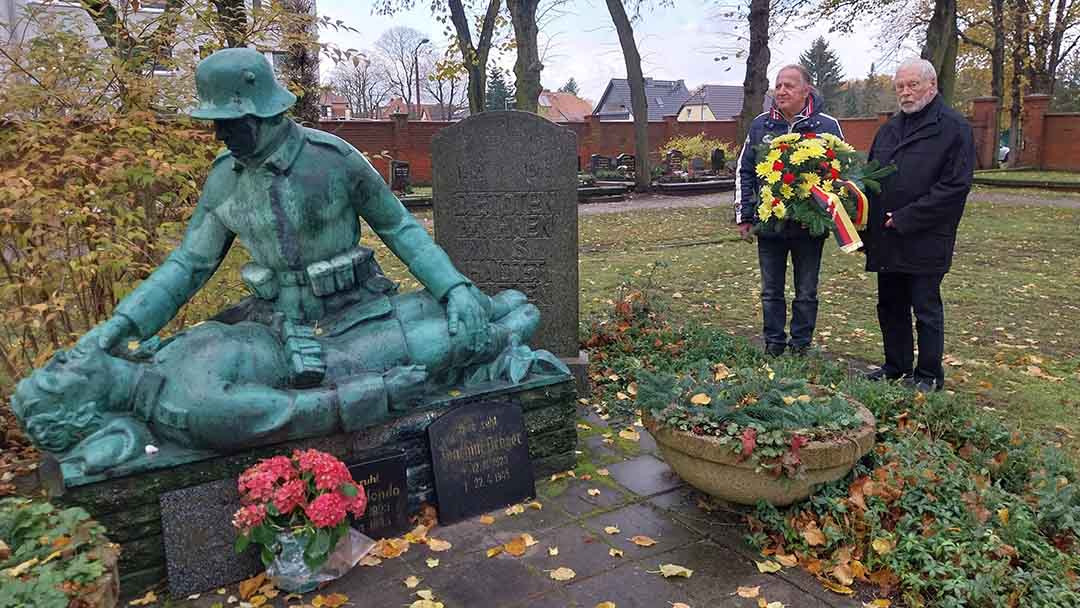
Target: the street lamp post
(416, 69)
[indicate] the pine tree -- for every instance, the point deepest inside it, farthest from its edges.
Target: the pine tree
(851, 99)
(871, 93)
(571, 87)
(500, 95)
(825, 72)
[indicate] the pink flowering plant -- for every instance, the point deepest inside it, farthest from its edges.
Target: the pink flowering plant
(307, 495)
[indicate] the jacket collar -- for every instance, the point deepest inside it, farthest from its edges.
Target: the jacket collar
(284, 154)
(926, 122)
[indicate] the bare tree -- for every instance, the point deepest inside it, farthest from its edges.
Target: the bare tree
(475, 50)
(446, 84)
(363, 83)
(527, 68)
(399, 47)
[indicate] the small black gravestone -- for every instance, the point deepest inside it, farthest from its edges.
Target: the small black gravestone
(697, 165)
(717, 160)
(383, 476)
(480, 458)
(674, 160)
(197, 531)
(399, 170)
(626, 160)
(599, 162)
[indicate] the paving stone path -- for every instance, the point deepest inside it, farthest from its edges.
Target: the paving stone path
(640, 496)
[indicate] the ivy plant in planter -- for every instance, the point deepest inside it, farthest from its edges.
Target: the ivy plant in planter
(749, 435)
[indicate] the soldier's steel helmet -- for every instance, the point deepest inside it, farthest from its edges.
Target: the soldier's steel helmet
(234, 83)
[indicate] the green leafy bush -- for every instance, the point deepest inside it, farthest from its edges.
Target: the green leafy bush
(48, 556)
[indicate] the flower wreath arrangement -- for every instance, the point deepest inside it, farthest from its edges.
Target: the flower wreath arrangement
(307, 496)
(763, 418)
(818, 182)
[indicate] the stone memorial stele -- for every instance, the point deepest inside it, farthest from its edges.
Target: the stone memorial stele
(504, 192)
(399, 175)
(324, 344)
(599, 162)
(628, 161)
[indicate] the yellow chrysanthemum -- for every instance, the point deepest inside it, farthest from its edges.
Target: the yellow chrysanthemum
(785, 139)
(835, 164)
(766, 194)
(773, 155)
(764, 211)
(763, 168)
(826, 185)
(772, 178)
(809, 180)
(831, 139)
(803, 154)
(787, 192)
(779, 211)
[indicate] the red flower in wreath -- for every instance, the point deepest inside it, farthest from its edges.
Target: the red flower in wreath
(830, 154)
(789, 178)
(778, 166)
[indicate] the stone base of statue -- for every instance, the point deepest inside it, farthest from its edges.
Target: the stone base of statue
(128, 504)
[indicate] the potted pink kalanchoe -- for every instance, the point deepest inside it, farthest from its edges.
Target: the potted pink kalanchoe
(296, 508)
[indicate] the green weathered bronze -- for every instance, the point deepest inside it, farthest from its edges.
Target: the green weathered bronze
(325, 343)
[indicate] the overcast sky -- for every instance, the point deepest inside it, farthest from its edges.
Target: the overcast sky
(675, 43)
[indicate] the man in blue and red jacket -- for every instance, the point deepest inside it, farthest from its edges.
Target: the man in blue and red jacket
(796, 109)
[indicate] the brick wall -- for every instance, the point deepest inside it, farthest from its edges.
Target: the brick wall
(1061, 142)
(1051, 141)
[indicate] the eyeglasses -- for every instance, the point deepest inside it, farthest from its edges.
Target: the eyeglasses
(913, 85)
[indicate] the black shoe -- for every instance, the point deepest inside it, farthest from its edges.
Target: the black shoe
(879, 375)
(774, 350)
(924, 385)
(799, 351)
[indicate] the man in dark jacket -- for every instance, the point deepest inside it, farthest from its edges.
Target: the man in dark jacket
(912, 227)
(796, 109)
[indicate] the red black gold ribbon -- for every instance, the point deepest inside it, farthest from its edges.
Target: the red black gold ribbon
(846, 235)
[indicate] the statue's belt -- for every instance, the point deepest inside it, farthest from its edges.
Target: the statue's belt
(341, 273)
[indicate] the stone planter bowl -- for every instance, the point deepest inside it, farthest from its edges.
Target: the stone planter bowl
(706, 464)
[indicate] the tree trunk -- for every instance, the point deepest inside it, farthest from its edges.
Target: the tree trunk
(474, 58)
(527, 68)
(756, 81)
(232, 17)
(942, 44)
(638, 102)
(997, 70)
(1019, 50)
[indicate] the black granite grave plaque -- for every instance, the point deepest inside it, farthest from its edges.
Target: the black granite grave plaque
(197, 530)
(599, 162)
(674, 160)
(626, 160)
(717, 160)
(480, 458)
(383, 476)
(399, 171)
(697, 165)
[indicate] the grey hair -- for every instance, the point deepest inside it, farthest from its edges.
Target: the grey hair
(923, 67)
(802, 72)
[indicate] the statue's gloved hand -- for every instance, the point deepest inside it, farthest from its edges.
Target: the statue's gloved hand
(105, 336)
(466, 315)
(404, 385)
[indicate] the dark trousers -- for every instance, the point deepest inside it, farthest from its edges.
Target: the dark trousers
(806, 262)
(898, 295)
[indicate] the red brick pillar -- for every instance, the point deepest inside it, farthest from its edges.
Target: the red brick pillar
(592, 136)
(984, 126)
(1032, 121)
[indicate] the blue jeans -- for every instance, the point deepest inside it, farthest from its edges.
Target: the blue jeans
(806, 262)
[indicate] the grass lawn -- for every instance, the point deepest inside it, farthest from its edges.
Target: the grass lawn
(1012, 300)
(1063, 177)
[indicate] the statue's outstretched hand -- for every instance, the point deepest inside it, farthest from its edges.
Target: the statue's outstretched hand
(465, 314)
(112, 332)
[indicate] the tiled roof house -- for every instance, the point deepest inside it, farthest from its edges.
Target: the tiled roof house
(557, 106)
(665, 98)
(713, 102)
